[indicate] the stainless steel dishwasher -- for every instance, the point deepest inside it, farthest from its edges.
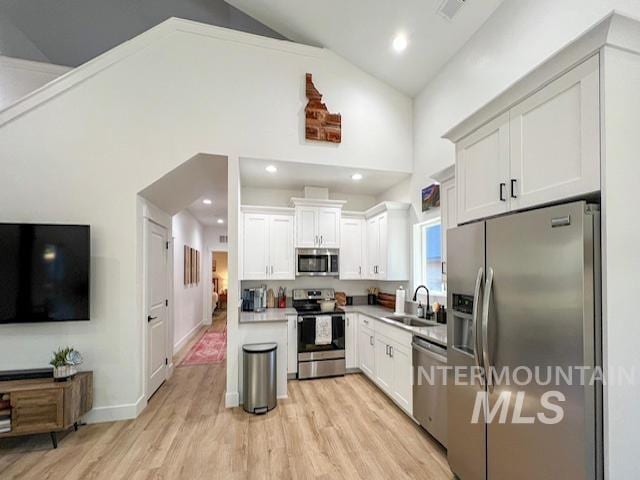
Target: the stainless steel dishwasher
(429, 387)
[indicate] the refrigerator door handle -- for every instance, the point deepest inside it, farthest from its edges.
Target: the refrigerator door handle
(474, 317)
(485, 328)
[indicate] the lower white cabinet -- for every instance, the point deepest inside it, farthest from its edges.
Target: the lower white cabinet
(366, 346)
(385, 356)
(351, 340)
(292, 337)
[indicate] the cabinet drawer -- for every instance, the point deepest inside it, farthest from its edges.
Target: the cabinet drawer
(366, 323)
(397, 335)
(36, 411)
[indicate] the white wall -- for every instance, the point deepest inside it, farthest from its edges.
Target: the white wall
(274, 197)
(113, 126)
(520, 35)
(19, 77)
(188, 304)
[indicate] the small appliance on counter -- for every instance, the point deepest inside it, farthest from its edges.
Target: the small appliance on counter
(254, 299)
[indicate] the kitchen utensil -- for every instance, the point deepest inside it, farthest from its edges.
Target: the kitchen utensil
(327, 305)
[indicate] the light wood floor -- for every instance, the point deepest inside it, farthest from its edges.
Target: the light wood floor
(327, 429)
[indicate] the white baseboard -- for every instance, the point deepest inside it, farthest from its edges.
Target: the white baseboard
(231, 399)
(184, 340)
(126, 411)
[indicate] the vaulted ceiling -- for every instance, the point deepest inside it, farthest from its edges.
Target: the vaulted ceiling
(362, 31)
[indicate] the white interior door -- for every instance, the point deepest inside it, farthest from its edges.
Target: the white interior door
(281, 251)
(157, 309)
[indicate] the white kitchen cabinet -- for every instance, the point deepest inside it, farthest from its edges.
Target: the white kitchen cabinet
(555, 140)
(255, 246)
(317, 223)
(267, 246)
(281, 251)
(352, 247)
(448, 214)
(482, 171)
(351, 340)
(306, 227)
(384, 363)
(544, 149)
(292, 337)
(387, 252)
(366, 346)
(329, 227)
(402, 385)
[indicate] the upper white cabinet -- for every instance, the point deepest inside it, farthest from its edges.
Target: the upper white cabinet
(387, 242)
(267, 248)
(555, 140)
(317, 223)
(544, 149)
(448, 211)
(352, 248)
(482, 171)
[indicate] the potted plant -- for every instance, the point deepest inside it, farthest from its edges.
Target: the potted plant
(64, 363)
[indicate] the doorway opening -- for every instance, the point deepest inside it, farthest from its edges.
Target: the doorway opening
(219, 286)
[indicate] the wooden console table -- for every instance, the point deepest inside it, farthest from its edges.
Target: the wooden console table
(45, 406)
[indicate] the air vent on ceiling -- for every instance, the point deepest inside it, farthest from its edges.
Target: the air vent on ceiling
(449, 8)
(224, 239)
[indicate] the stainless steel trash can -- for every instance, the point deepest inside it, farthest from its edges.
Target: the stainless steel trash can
(259, 377)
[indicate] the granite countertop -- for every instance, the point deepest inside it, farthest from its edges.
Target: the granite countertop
(435, 332)
(269, 315)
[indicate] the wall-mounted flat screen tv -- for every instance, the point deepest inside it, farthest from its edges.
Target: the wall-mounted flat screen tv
(44, 273)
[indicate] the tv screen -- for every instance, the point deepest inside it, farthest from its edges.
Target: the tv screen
(44, 273)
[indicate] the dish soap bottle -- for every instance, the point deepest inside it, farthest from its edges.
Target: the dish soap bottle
(420, 310)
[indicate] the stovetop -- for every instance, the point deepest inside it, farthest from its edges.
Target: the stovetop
(315, 309)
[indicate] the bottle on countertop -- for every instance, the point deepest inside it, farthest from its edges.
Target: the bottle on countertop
(420, 310)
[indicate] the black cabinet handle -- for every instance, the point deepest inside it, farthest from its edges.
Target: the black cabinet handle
(513, 188)
(149, 318)
(502, 185)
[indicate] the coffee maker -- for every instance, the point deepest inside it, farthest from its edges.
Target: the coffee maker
(254, 299)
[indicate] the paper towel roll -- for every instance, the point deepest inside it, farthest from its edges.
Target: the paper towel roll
(400, 297)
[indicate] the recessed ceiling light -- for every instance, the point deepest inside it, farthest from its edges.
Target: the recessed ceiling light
(207, 201)
(356, 176)
(271, 169)
(400, 42)
(220, 220)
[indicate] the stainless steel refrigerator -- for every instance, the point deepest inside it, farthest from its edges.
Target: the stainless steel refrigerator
(524, 290)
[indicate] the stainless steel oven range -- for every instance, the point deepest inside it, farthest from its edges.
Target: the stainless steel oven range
(321, 335)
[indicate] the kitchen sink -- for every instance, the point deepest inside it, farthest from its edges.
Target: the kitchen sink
(410, 320)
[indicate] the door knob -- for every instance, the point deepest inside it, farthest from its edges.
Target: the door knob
(149, 318)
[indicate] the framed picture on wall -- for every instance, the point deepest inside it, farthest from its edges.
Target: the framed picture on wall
(187, 265)
(193, 265)
(430, 197)
(197, 266)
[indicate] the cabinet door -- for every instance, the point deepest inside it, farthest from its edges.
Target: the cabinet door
(555, 139)
(384, 364)
(402, 376)
(366, 356)
(448, 214)
(351, 340)
(351, 254)
(281, 251)
(373, 247)
(292, 351)
(256, 246)
(37, 410)
(306, 227)
(329, 227)
(482, 171)
(383, 239)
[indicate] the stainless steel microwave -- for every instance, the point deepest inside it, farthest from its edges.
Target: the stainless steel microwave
(317, 262)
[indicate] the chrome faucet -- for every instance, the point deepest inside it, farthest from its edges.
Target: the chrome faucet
(427, 310)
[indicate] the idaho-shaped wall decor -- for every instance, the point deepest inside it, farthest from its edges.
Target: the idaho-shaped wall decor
(320, 124)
